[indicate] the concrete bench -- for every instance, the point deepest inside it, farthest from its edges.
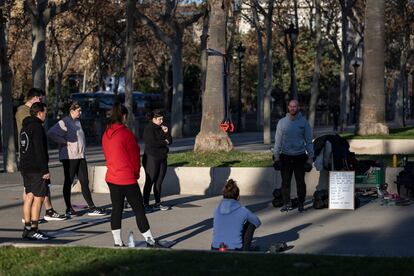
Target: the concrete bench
(210, 181)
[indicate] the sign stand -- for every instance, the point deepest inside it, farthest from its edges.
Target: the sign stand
(341, 190)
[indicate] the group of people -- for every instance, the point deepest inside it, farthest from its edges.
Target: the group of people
(234, 225)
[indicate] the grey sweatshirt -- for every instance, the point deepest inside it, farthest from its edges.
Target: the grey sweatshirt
(293, 137)
(69, 135)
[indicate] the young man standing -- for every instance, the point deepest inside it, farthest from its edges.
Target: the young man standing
(34, 95)
(293, 149)
(34, 159)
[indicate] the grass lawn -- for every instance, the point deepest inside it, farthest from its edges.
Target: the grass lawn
(248, 159)
(104, 261)
(395, 133)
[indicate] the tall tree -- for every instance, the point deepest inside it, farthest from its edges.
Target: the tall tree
(211, 138)
(317, 68)
(6, 104)
(372, 113)
(129, 61)
(177, 23)
(41, 12)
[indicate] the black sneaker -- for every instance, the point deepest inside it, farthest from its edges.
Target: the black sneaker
(148, 209)
(71, 212)
(160, 206)
(127, 205)
(38, 236)
(53, 215)
(286, 208)
(25, 233)
(95, 211)
(154, 244)
(120, 245)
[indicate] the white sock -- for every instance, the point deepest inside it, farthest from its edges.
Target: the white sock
(148, 236)
(117, 237)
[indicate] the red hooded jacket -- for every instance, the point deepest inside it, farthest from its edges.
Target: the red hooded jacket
(122, 155)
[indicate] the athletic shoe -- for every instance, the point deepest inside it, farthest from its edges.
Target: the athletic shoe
(148, 209)
(53, 215)
(71, 212)
(154, 244)
(25, 233)
(159, 206)
(120, 245)
(38, 235)
(95, 211)
(286, 208)
(127, 205)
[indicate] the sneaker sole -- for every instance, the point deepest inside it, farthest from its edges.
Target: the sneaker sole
(54, 219)
(95, 215)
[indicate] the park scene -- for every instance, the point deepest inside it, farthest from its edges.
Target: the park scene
(203, 137)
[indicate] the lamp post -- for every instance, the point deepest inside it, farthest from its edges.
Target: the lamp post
(291, 34)
(240, 55)
(355, 64)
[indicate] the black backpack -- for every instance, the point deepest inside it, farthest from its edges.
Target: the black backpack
(320, 199)
(278, 200)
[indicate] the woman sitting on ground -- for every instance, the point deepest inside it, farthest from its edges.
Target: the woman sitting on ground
(233, 225)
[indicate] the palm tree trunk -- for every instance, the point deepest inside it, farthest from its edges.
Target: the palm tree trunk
(210, 137)
(372, 113)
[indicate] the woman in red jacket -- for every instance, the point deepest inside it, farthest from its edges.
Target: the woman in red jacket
(122, 156)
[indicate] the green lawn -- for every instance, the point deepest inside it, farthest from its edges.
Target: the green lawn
(103, 261)
(220, 159)
(395, 133)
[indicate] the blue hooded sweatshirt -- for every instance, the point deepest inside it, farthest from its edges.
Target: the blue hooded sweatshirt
(229, 219)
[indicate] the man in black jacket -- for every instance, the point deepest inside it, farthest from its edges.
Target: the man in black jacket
(34, 159)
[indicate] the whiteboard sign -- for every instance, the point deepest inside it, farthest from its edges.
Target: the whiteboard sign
(341, 190)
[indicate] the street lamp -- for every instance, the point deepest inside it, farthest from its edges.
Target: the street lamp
(291, 34)
(355, 64)
(240, 55)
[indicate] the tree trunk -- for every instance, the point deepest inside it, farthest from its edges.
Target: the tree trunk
(166, 83)
(58, 92)
(344, 74)
(267, 111)
(211, 138)
(372, 113)
(38, 53)
(129, 63)
(317, 69)
(178, 91)
(399, 95)
(203, 54)
(6, 104)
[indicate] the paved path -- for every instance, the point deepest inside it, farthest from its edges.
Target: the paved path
(370, 230)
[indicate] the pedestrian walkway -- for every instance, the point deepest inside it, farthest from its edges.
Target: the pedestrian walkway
(371, 230)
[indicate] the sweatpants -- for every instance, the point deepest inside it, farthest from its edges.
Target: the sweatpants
(155, 170)
(134, 197)
(79, 167)
(293, 164)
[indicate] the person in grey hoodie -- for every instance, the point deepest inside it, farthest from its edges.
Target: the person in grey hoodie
(233, 224)
(69, 135)
(293, 149)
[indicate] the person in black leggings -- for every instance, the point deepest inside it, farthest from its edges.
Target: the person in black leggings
(156, 139)
(122, 154)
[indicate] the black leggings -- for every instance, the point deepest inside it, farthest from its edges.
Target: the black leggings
(155, 170)
(134, 197)
(72, 167)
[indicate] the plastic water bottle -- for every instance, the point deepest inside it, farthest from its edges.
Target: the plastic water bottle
(131, 241)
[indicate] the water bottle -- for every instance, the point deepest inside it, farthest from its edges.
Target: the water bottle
(131, 242)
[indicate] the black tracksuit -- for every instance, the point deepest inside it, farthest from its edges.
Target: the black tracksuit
(155, 160)
(34, 157)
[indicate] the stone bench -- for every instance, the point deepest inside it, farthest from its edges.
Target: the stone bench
(210, 181)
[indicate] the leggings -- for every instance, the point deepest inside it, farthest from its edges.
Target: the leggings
(134, 197)
(155, 170)
(72, 167)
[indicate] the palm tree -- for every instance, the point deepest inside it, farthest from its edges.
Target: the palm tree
(210, 137)
(372, 111)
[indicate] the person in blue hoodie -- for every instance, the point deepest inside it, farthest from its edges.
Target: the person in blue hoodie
(234, 224)
(293, 149)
